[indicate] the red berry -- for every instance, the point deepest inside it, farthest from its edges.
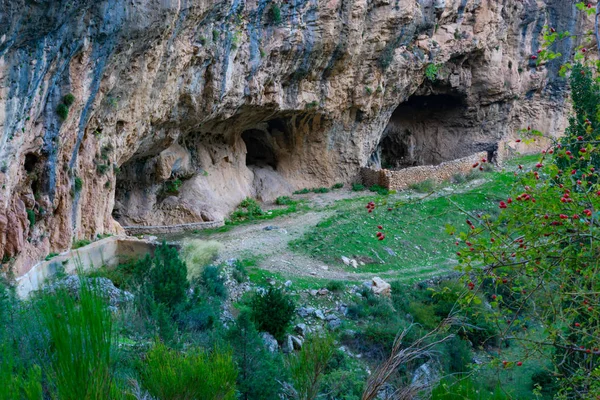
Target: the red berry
(580, 138)
(534, 57)
(379, 227)
(475, 165)
(494, 297)
(577, 324)
(503, 205)
(519, 363)
(518, 140)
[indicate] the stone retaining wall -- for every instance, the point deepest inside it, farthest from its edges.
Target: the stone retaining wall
(165, 229)
(401, 179)
(110, 251)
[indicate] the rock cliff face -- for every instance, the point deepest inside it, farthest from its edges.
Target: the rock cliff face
(181, 108)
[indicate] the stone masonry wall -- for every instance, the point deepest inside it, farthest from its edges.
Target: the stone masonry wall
(401, 179)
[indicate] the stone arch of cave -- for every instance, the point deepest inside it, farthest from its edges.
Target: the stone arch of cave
(259, 148)
(421, 131)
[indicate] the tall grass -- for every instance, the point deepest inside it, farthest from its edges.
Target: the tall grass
(81, 335)
(15, 381)
(199, 253)
(168, 374)
(307, 368)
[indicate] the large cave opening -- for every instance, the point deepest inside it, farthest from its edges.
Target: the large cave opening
(259, 149)
(425, 130)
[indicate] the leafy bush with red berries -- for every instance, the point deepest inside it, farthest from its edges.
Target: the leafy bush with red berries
(539, 260)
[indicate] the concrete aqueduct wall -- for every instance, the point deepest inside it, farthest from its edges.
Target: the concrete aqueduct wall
(401, 179)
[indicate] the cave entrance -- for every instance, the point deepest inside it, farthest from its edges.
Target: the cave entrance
(424, 130)
(260, 151)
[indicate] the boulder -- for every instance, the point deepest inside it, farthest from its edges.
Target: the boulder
(269, 341)
(381, 287)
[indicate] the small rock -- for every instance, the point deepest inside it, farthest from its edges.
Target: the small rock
(270, 228)
(324, 267)
(330, 317)
(346, 260)
(323, 292)
(314, 292)
(334, 324)
(343, 309)
(287, 283)
(296, 342)
(390, 251)
(301, 329)
(354, 263)
(305, 311)
(269, 341)
(288, 345)
(381, 287)
(319, 314)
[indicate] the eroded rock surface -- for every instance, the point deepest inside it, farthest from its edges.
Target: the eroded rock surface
(183, 108)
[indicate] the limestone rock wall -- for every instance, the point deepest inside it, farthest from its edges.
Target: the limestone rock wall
(181, 108)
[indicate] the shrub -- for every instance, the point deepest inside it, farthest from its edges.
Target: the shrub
(459, 355)
(168, 276)
(459, 178)
(302, 191)
(337, 186)
(31, 217)
(357, 187)
(335, 286)
(168, 374)
(102, 168)
(199, 253)
(431, 72)
(213, 281)
(284, 201)
(426, 186)
(320, 190)
(545, 380)
(307, 368)
(172, 187)
(275, 14)
(69, 99)
(379, 190)
(62, 111)
(80, 243)
(239, 272)
(248, 210)
(199, 314)
(258, 369)
(272, 312)
(78, 184)
(82, 336)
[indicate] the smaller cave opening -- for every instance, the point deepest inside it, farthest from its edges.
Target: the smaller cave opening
(260, 151)
(30, 163)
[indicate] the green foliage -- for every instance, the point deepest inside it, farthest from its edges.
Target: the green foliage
(248, 210)
(31, 217)
(335, 286)
(380, 190)
(50, 256)
(284, 201)
(320, 190)
(69, 99)
(311, 105)
(357, 187)
(272, 312)
(215, 36)
(258, 369)
(168, 374)
(62, 111)
(102, 168)
(239, 272)
(80, 243)
(431, 72)
(18, 383)
(78, 184)
(214, 282)
(275, 14)
(167, 275)
(337, 186)
(172, 186)
(308, 366)
(426, 186)
(368, 90)
(302, 191)
(464, 388)
(199, 253)
(82, 336)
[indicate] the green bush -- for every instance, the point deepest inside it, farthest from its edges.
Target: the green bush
(62, 111)
(168, 374)
(320, 190)
(213, 281)
(459, 355)
(168, 276)
(102, 168)
(379, 190)
(272, 312)
(78, 184)
(459, 178)
(285, 201)
(302, 191)
(81, 334)
(80, 243)
(259, 371)
(545, 380)
(357, 187)
(307, 368)
(275, 14)
(31, 217)
(199, 253)
(337, 186)
(69, 99)
(426, 186)
(336, 286)
(172, 187)
(239, 272)
(248, 210)
(199, 314)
